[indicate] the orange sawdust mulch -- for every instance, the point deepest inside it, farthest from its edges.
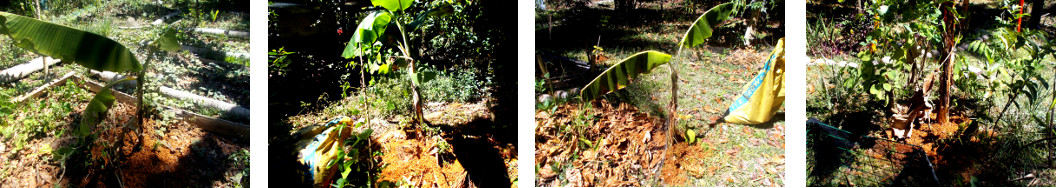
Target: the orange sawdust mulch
(415, 161)
(627, 146)
(469, 152)
(686, 161)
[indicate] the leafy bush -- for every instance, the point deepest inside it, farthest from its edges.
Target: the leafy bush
(391, 94)
(452, 86)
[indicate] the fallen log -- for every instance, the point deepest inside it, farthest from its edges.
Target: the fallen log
(156, 22)
(227, 108)
(220, 126)
(216, 31)
(22, 70)
(207, 51)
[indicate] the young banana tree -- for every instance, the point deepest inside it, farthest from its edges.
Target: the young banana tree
(371, 37)
(620, 74)
(87, 49)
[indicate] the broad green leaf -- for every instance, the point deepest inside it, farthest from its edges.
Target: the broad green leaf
(620, 74)
(702, 28)
(167, 41)
(422, 77)
(367, 33)
(393, 5)
(85, 48)
(96, 110)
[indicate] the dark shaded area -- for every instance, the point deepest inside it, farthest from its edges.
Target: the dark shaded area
(282, 162)
(476, 144)
(831, 148)
(578, 29)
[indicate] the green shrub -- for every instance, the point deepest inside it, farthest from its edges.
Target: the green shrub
(391, 94)
(452, 86)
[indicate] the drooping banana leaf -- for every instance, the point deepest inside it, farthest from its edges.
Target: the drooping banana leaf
(167, 41)
(620, 75)
(393, 5)
(367, 33)
(705, 24)
(85, 48)
(97, 108)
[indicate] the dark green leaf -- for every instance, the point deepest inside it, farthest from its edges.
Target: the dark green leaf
(85, 48)
(367, 33)
(619, 75)
(703, 26)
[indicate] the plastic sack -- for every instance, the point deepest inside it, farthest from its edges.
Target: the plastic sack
(760, 99)
(323, 148)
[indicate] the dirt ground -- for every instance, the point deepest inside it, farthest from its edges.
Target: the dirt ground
(184, 156)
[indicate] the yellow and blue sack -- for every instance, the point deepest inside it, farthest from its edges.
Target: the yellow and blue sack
(760, 99)
(323, 148)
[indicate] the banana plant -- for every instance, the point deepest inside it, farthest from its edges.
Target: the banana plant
(620, 74)
(375, 33)
(87, 49)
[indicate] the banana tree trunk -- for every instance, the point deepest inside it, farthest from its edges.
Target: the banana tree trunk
(949, 48)
(945, 82)
(418, 115)
(673, 115)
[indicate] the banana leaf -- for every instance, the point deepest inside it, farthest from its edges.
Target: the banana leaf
(393, 5)
(167, 41)
(620, 75)
(368, 32)
(85, 48)
(705, 24)
(97, 108)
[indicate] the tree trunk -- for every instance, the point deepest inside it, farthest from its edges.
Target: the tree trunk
(949, 47)
(40, 15)
(1036, 10)
(419, 118)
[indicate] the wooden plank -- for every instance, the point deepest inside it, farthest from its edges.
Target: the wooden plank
(41, 90)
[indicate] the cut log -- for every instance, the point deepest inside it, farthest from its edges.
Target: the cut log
(228, 108)
(161, 20)
(156, 22)
(207, 51)
(215, 125)
(206, 123)
(229, 33)
(20, 71)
